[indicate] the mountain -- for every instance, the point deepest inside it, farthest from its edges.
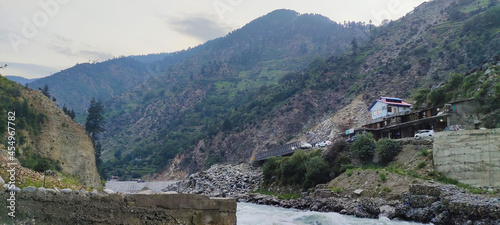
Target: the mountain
(43, 136)
(21, 80)
(169, 113)
(76, 86)
(417, 51)
(284, 77)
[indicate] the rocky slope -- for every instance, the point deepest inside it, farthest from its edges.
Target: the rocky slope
(221, 181)
(62, 140)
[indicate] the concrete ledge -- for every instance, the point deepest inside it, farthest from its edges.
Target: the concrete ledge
(79, 208)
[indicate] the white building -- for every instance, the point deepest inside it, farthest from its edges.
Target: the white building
(387, 106)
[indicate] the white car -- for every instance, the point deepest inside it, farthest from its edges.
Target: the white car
(424, 134)
(305, 145)
(323, 143)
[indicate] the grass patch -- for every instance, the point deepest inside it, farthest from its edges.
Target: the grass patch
(421, 164)
(383, 177)
(423, 153)
(336, 190)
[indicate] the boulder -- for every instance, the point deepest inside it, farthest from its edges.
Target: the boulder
(109, 191)
(29, 189)
(66, 191)
(388, 211)
(358, 191)
(15, 189)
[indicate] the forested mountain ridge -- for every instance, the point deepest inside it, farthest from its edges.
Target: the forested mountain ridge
(21, 80)
(416, 51)
(193, 99)
(281, 75)
(76, 86)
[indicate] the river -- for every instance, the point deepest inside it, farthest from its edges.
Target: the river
(252, 214)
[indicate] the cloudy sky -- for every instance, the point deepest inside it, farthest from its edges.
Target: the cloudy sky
(42, 37)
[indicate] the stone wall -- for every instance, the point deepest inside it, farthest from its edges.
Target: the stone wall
(447, 204)
(470, 156)
(47, 206)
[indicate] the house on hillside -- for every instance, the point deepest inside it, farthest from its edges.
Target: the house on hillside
(388, 106)
(452, 116)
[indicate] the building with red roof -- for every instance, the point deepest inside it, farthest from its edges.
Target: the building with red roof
(388, 106)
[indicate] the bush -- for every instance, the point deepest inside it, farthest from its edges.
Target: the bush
(271, 169)
(332, 152)
(386, 149)
(340, 165)
(293, 170)
(42, 165)
(316, 172)
(437, 97)
(364, 146)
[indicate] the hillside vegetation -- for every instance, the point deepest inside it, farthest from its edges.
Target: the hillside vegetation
(275, 78)
(419, 50)
(215, 90)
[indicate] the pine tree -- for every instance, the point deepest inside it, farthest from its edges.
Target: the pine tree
(354, 44)
(95, 119)
(94, 126)
(45, 91)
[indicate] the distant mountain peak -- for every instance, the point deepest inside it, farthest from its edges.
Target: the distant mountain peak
(20, 80)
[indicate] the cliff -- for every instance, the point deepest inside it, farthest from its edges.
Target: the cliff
(62, 140)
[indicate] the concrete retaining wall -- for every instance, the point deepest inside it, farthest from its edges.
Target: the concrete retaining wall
(43, 207)
(470, 156)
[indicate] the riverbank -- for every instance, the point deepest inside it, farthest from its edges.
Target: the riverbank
(426, 202)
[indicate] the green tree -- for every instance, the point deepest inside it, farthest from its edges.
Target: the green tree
(437, 97)
(317, 172)
(95, 119)
(94, 126)
(293, 170)
(45, 91)
(332, 152)
(271, 169)
(364, 146)
(354, 44)
(386, 149)
(421, 97)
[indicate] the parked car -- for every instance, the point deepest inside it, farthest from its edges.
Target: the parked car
(424, 134)
(323, 143)
(305, 145)
(351, 139)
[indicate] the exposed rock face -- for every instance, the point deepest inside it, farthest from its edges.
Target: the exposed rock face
(54, 207)
(220, 181)
(351, 116)
(62, 139)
